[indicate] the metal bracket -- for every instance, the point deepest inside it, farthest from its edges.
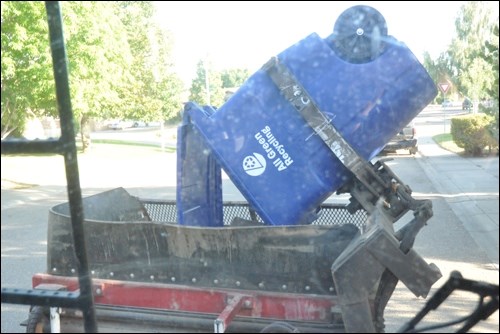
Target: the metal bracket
(322, 126)
(235, 304)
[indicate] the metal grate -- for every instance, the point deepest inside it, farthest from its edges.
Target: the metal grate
(330, 214)
(160, 211)
(337, 214)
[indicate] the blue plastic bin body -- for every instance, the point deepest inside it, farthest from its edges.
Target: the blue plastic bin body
(274, 157)
(199, 182)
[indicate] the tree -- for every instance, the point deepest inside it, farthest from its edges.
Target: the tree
(207, 91)
(491, 57)
(169, 85)
(234, 77)
(119, 63)
(97, 53)
(27, 79)
(439, 71)
(472, 74)
(156, 90)
(99, 56)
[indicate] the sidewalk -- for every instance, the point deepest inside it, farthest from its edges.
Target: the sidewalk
(470, 187)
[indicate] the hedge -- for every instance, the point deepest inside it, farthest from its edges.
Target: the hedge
(471, 132)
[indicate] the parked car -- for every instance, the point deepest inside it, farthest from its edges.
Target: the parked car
(467, 104)
(139, 124)
(120, 125)
(154, 123)
(447, 103)
(405, 139)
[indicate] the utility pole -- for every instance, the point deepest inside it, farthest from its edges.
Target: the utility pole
(207, 82)
(444, 87)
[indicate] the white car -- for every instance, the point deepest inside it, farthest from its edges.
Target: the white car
(447, 104)
(120, 125)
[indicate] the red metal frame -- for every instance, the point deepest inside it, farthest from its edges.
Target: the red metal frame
(224, 304)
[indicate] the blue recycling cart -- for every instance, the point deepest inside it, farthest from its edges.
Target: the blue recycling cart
(268, 137)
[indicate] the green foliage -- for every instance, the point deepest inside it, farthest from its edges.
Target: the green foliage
(440, 72)
(169, 86)
(470, 132)
(27, 79)
(463, 64)
(155, 92)
(98, 55)
(491, 58)
(207, 91)
(234, 77)
(471, 73)
(119, 63)
(217, 83)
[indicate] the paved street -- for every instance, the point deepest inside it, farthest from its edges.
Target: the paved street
(459, 236)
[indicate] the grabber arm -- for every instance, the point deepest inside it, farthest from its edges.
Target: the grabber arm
(379, 254)
(394, 200)
(376, 189)
(378, 182)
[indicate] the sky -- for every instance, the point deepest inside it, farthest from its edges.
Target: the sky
(246, 34)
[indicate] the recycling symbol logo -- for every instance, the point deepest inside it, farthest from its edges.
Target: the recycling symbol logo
(254, 165)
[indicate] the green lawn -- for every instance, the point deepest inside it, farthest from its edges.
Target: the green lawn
(127, 143)
(445, 141)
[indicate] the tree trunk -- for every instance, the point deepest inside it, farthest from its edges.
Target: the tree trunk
(85, 132)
